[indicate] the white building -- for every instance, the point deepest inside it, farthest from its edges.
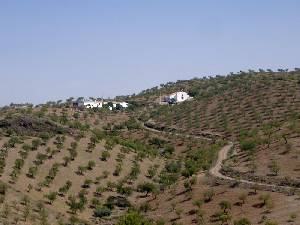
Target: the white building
(178, 97)
(90, 104)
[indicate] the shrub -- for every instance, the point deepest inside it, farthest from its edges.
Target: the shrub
(208, 195)
(134, 218)
(105, 155)
(265, 198)
(102, 211)
(127, 190)
(118, 169)
(75, 205)
(132, 124)
(169, 150)
(65, 188)
(173, 167)
(248, 145)
(118, 201)
(35, 144)
(95, 202)
(157, 142)
(274, 167)
(243, 197)
(91, 165)
(87, 183)
(3, 189)
(147, 188)
(145, 207)
(269, 222)
(51, 196)
(135, 171)
(81, 170)
(99, 190)
(242, 221)
(225, 205)
(32, 171)
(152, 170)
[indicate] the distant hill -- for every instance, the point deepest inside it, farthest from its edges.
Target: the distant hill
(228, 104)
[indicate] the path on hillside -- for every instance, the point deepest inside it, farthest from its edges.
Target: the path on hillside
(175, 133)
(222, 155)
(215, 171)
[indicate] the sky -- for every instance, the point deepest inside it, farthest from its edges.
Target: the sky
(55, 49)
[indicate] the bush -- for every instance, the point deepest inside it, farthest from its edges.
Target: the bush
(118, 170)
(208, 195)
(147, 188)
(102, 211)
(127, 191)
(105, 155)
(132, 124)
(118, 201)
(91, 165)
(169, 150)
(134, 218)
(95, 202)
(243, 221)
(3, 189)
(135, 171)
(248, 145)
(225, 206)
(173, 167)
(87, 183)
(157, 142)
(269, 222)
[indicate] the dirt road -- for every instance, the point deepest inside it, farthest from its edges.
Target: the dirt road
(222, 155)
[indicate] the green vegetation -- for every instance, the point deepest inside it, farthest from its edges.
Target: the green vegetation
(200, 159)
(134, 218)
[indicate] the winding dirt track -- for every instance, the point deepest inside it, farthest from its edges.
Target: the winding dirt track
(222, 155)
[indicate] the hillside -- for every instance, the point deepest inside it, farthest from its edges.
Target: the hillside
(229, 104)
(93, 175)
(153, 163)
(259, 111)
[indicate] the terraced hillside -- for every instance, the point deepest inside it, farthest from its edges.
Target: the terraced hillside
(229, 104)
(91, 169)
(259, 111)
(152, 164)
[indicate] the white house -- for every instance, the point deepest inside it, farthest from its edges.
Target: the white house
(178, 97)
(90, 104)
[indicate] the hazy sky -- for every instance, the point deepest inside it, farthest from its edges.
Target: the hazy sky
(51, 50)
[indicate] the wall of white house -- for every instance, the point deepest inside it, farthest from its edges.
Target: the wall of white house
(98, 104)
